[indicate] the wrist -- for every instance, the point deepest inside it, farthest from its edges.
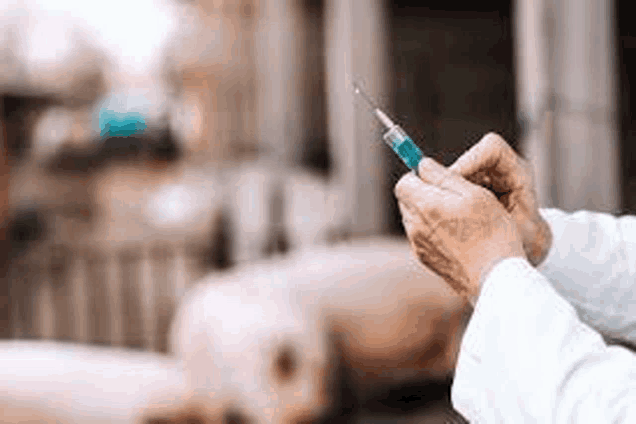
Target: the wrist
(487, 269)
(538, 251)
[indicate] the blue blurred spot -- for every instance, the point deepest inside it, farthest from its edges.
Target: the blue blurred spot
(114, 124)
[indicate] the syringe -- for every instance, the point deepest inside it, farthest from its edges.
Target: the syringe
(395, 137)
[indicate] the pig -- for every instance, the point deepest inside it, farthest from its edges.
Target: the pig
(367, 304)
(250, 350)
(55, 382)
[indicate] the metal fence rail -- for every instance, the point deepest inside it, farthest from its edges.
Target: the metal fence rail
(122, 298)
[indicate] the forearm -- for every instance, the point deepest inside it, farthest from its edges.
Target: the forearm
(591, 264)
(526, 357)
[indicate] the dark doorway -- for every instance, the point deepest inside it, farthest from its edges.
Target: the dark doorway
(626, 69)
(453, 78)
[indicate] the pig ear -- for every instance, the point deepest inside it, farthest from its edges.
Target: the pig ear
(288, 355)
(286, 363)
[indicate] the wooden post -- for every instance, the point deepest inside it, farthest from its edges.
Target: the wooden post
(356, 47)
(567, 89)
(275, 62)
(4, 220)
(586, 125)
(533, 87)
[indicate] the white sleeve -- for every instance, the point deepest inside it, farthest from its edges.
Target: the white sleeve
(526, 357)
(592, 264)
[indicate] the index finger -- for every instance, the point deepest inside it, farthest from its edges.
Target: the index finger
(419, 202)
(491, 152)
(420, 194)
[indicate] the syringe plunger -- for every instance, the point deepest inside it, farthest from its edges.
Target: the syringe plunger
(395, 137)
(384, 119)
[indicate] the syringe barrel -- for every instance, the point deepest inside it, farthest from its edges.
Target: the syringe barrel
(404, 147)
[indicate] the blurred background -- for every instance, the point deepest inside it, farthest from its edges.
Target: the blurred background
(248, 142)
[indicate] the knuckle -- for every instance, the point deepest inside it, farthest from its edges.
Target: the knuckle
(400, 187)
(457, 167)
(495, 141)
(499, 141)
(480, 195)
(489, 139)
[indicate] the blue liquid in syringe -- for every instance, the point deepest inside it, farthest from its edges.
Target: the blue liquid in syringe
(404, 147)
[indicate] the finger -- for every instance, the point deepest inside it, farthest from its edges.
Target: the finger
(408, 184)
(481, 178)
(407, 216)
(423, 219)
(490, 152)
(417, 195)
(432, 172)
(405, 209)
(435, 174)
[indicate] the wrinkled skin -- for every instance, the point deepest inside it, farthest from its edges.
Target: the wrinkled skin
(493, 164)
(457, 229)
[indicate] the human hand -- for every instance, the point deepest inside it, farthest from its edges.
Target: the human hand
(493, 164)
(457, 229)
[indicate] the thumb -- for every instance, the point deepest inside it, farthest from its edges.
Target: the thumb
(465, 165)
(487, 153)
